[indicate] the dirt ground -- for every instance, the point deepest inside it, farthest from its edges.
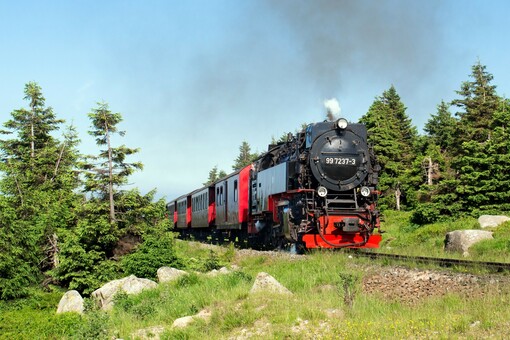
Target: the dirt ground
(412, 285)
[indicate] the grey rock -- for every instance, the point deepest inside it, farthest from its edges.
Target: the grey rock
(221, 271)
(461, 240)
(489, 221)
(266, 283)
(71, 302)
(185, 321)
(168, 274)
(130, 285)
(204, 314)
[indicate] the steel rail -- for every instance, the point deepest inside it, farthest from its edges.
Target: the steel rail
(443, 262)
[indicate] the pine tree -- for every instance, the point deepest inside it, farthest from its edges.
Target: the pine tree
(38, 182)
(441, 127)
(478, 103)
(29, 154)
(499, 147)
(108, 215)
(214, 175)
(476, 151)
(483, 167)
(474, 161)
(245, 156)
(109, 171)
(393, 137)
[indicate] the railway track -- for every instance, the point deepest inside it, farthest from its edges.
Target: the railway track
(443, 262)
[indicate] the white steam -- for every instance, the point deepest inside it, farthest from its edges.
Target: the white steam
(332, 107)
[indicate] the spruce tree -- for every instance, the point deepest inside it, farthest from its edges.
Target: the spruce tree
(38, 182)
(109, 170)
(499, 149)
(475, 155)
(245, 156)
(477, 103)
(109, 217)
(393, 137)
(476, 152)
(441, 127)
(214, 175)
(484, 180)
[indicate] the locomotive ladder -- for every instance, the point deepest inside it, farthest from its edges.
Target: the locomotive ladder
(342, 201)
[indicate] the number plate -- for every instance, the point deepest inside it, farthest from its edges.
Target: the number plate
(340, 161)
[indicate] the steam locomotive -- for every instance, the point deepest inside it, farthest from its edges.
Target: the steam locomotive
(315, 190)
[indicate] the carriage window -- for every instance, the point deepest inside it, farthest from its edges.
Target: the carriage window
(235, 191)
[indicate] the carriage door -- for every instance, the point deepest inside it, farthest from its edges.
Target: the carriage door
(221, 203)
(225, 200)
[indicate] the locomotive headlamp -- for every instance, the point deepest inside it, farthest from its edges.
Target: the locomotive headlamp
(322, 191)
(365, 191)
(341, 123)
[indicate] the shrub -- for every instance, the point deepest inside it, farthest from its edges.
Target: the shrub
(122, 301)
(95, 326)
(188, 280)
(230, 253)
(212, 262)
(157, 250)
(83, 270)
(425, 213)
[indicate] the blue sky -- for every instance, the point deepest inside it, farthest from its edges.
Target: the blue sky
(195, 78)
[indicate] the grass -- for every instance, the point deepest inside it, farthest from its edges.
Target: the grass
(402, 237)
(327, 302)
(318, 283)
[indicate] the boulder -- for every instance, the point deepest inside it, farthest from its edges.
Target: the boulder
(489, 221)
(204, 314)
(167, 274)
(221, 271)
(71, 302)
(266, 283)
(185, 321)
(130, 285)
(461, 240)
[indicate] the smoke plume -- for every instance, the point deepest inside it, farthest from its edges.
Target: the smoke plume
(387, 41)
